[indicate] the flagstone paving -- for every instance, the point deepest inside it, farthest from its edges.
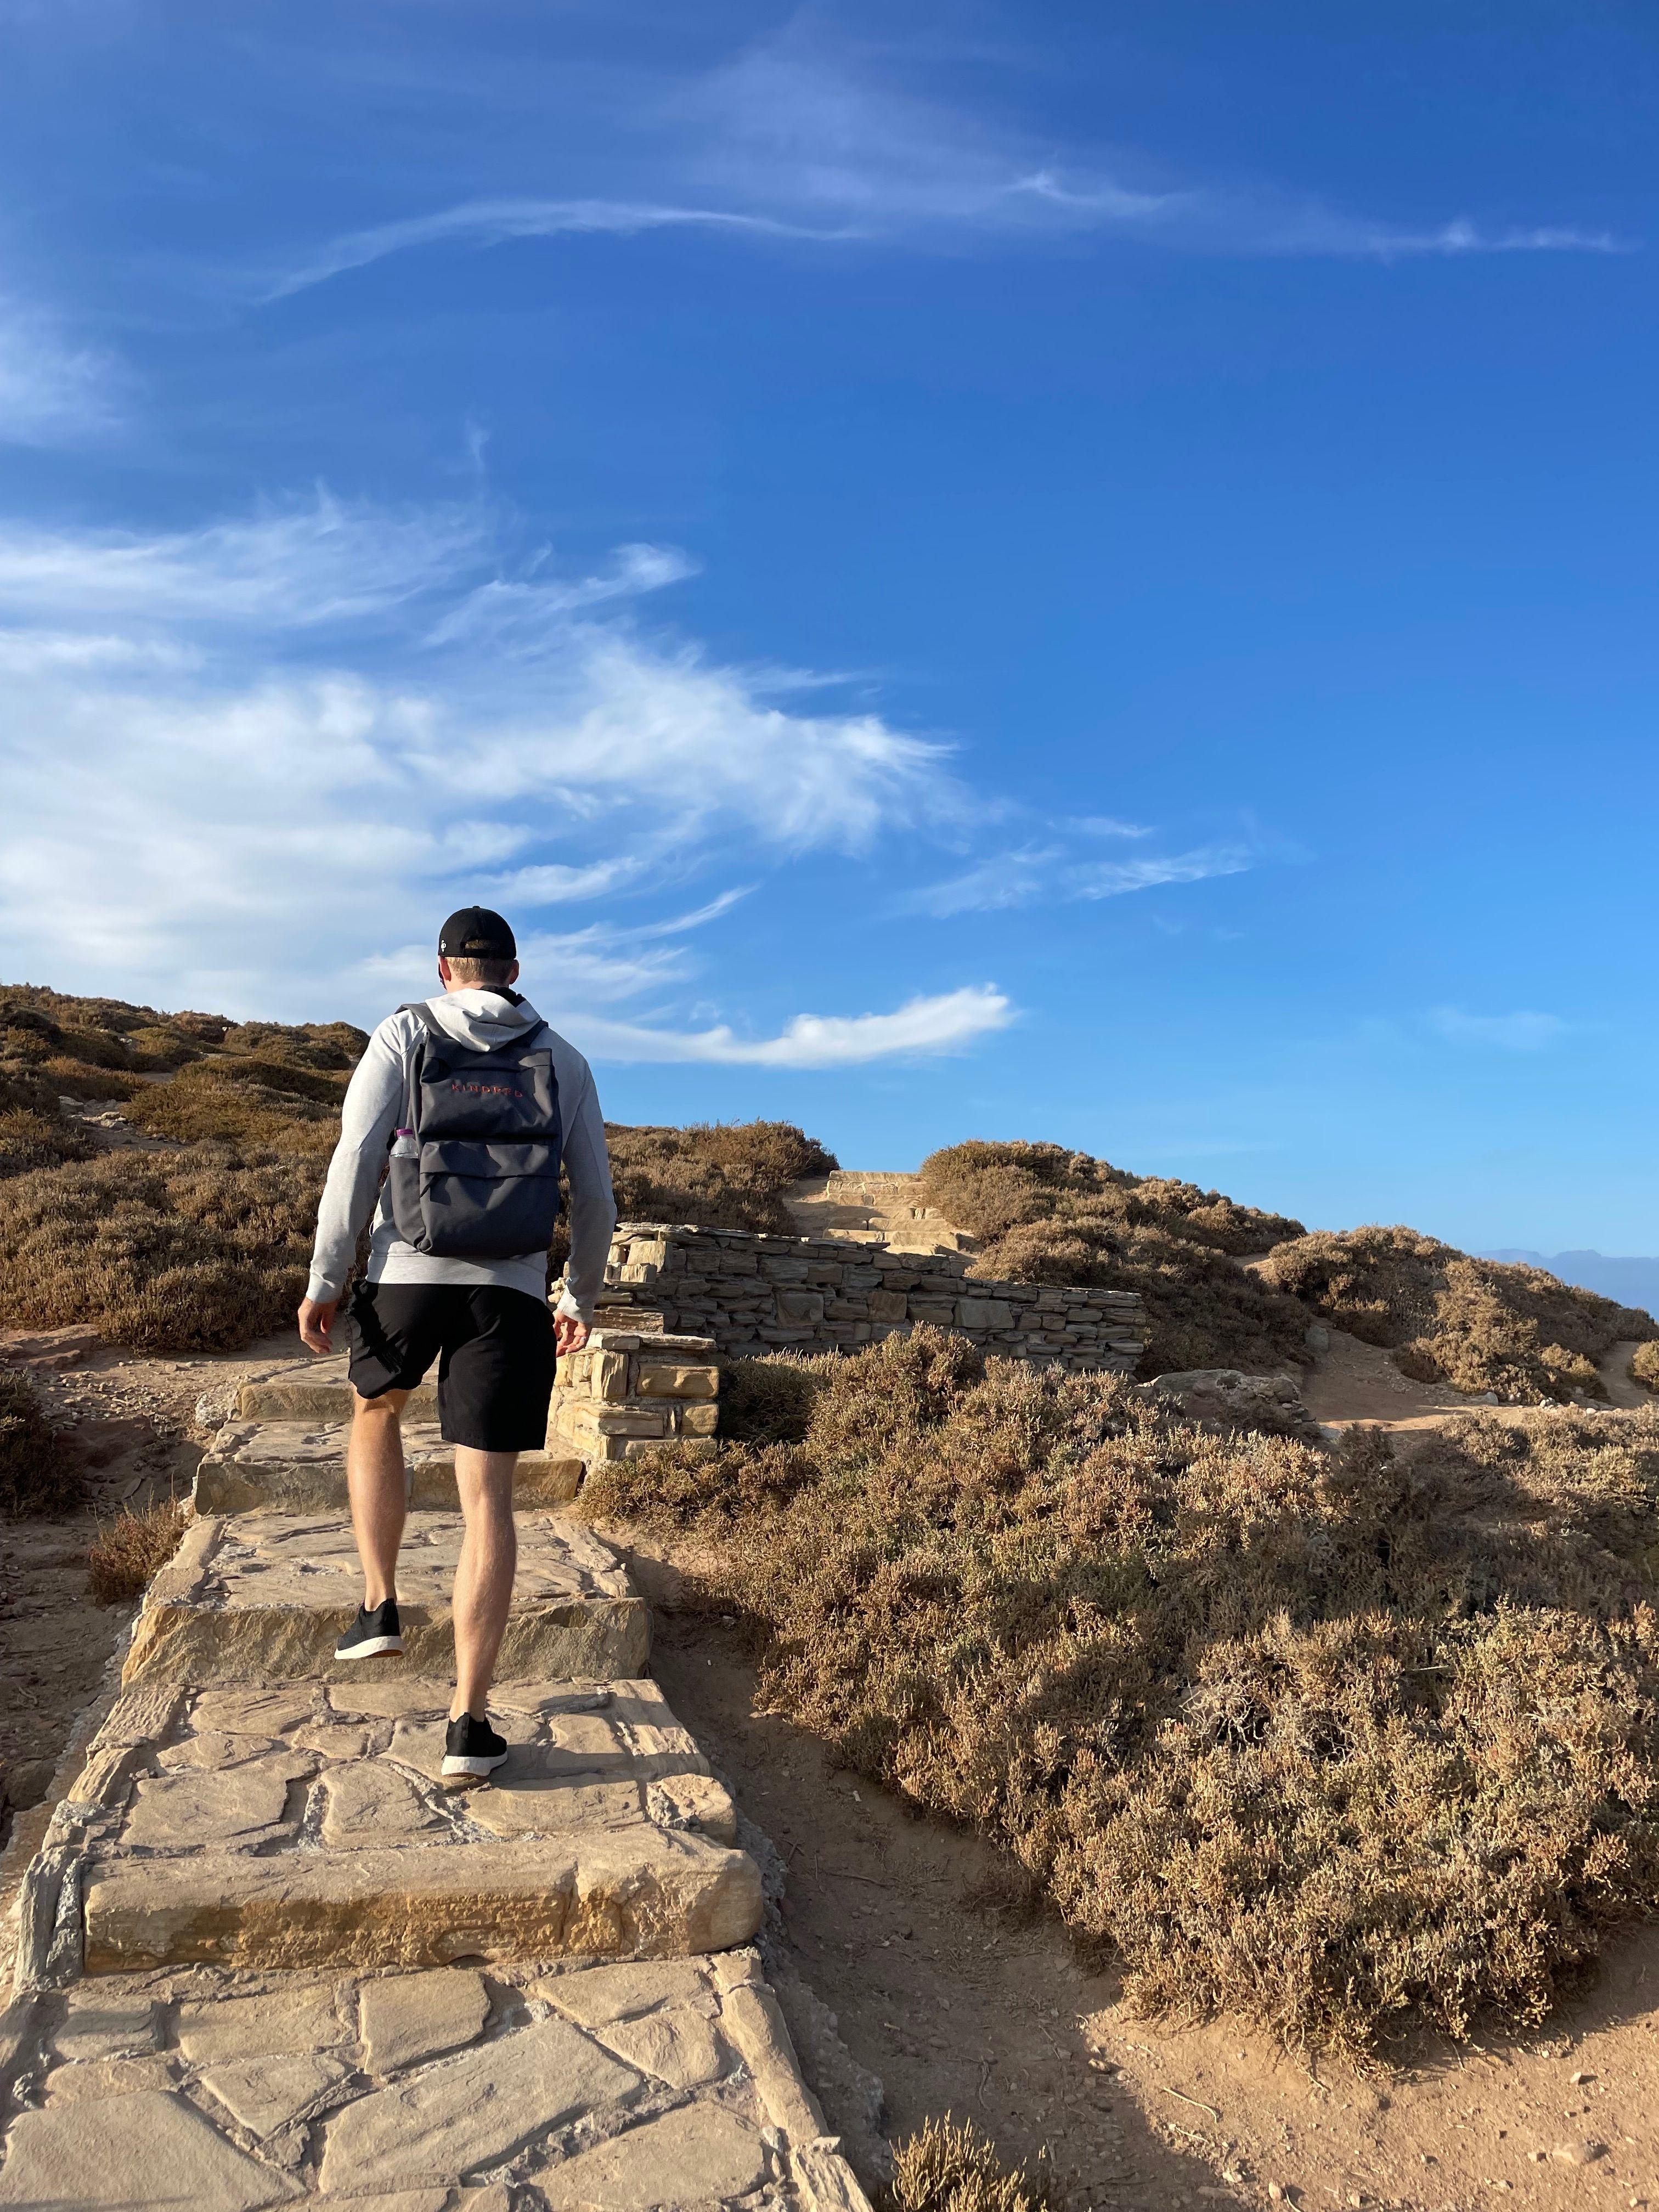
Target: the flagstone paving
(626, 2087)
(261, 1597)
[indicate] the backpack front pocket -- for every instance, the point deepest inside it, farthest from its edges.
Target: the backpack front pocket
(480, 1200)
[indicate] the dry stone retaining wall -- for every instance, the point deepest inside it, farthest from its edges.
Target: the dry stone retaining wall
(628, 1391)
(751, 1294)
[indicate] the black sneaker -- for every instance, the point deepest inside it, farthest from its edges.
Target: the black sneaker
(471, 1750)
(371, 1633)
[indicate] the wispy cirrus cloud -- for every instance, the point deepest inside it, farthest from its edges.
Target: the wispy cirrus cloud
(1517, 1032)
(1048, 874)
(794, 141)
(298, 740)
(478, 223)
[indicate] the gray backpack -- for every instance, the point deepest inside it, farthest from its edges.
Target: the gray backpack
(474, 1174)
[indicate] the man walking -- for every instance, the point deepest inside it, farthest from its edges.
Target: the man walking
(456, 1118)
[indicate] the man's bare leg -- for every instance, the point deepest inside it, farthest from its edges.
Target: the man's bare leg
(377, 1486)
(483, 1578)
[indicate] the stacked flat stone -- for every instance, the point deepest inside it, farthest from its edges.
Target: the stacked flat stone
(750, 1294)
(628, 1391)
(262, 1955)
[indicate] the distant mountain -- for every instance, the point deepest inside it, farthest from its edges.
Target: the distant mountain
(1632, 1282)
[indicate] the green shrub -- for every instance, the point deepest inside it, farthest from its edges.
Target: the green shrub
(1338, 1743)
(39, 1470)
(1477, 1324)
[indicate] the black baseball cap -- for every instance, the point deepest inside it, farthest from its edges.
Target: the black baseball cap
(474, 932)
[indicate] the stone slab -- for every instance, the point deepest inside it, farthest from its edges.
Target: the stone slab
(261, 1597)
(161, 2151)
(453, 2120)
(320, 1390)
(644, 1892)
(406, 2018)
(698, 2155)
(299, 1467)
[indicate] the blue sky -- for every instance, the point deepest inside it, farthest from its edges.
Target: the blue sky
(1073, 571)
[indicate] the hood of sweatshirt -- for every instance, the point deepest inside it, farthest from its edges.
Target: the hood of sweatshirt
(481, 1017)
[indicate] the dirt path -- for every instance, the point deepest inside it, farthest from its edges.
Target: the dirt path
(959, 2008)
(132, 1416)
(1614, 1370)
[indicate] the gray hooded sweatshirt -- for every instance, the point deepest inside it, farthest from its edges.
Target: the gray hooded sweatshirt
(374, 1105)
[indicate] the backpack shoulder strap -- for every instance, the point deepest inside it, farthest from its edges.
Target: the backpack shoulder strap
(419, 1006)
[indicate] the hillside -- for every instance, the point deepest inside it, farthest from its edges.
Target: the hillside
(1042, 1214)
(161, 1176)
(158, 1173)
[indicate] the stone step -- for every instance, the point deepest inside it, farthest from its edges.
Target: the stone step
(307, 1827)
(298, 1466)
(656, 2083)
(319, 1391)
(261, 1597)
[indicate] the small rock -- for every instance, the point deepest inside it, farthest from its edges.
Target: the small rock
(1579, 2153)
(1580, 2078)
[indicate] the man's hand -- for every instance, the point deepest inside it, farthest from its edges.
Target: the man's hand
(315, 1322)
(569, 1334)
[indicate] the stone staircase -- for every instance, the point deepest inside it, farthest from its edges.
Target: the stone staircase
(264, 1955)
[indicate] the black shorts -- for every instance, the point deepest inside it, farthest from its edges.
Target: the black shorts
(494, 1349)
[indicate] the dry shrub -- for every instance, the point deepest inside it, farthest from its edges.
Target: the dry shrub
(719, 1175)
(331, 1046)
(37, 1140)
(247, 1102)
(134, 1546)
(1477, 1324)
(948, 2166)
(1042, 1214)
(76, 1078)
(1644, 1365)
(201, 1249)
(1340, 1744)
(23, 1090)
(771, 1400)
(40, 1469)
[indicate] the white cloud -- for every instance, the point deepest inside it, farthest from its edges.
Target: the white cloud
(52, 391)
(945, 1023)
(794, 141)
(492, 222)
(1520, 1032)
(296, 567)
(241, 761)
(1041, 874)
